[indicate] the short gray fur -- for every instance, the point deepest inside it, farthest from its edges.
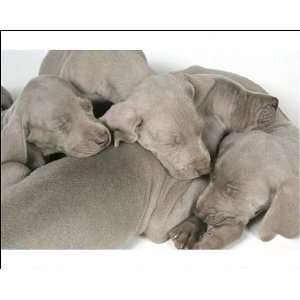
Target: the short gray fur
(99, 74)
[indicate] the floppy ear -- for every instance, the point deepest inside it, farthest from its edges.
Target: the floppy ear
(13, 141)
(120, 136)
(201, 84)
(130, 134)
(258, 110)
(252, 109)
(283, 215)
(266, 108)
(124, 122)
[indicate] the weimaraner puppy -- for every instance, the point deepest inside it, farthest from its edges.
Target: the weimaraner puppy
(255, 172)
(48, 117)
(181, 117)
(99, 74)
(100, 202)
(6, 99)
(63, 187)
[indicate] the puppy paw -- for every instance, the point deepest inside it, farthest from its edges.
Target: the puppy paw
(206, 245)
(186, 234)
(208, 242)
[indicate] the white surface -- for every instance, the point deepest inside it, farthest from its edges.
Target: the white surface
(279, 74)
(260, 271)
(156, 14)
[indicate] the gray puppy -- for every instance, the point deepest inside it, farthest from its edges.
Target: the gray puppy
(254, 172)
(182, 117)
(100, 202)
(6, 99)
(99, 74)
(49, 117)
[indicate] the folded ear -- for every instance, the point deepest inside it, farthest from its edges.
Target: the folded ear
(249, 108)
(124, 121)
(267, 106)
(13, 141)
(283, 216)
(122, 136)
(128, 135)
(201, 85)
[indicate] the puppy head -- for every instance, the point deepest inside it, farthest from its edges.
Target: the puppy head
(161, 117)
(57, 119)
(238, 187)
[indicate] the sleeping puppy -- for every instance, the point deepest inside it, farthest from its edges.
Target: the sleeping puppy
(103, 201)
(6, 99)
(182, 117)
(49, 117)
(254, 172)
(99, 74)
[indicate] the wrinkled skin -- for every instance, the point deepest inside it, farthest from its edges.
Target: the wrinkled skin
(181, 118)
(51, 117)
(241, 188)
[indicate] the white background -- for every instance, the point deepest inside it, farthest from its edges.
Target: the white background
(252, 269)
(154, 14)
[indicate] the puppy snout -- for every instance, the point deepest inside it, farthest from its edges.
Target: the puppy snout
(102, 138)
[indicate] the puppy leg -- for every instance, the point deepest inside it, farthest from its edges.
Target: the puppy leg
(219, 237)
(187, 233)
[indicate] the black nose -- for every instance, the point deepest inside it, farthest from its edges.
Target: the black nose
(102, 139)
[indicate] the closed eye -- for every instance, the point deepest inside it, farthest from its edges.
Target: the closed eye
(231, 190)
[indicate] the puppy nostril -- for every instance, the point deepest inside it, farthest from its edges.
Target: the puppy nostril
(102, 139)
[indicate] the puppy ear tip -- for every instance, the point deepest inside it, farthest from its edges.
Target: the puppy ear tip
(266, 236)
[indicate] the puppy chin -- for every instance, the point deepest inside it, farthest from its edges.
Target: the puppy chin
(83, 153)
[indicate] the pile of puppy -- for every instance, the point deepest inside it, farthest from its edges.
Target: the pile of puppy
(191, 156)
